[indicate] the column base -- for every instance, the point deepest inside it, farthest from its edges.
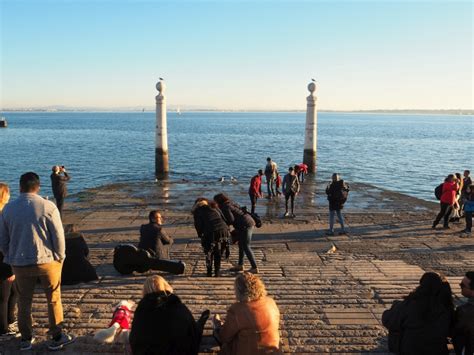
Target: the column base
(161, 163)
(309, 158)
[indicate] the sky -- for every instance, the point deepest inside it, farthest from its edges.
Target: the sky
(237, 54)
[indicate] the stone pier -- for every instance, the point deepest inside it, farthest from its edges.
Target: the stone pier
(161, 141)
(311, 130)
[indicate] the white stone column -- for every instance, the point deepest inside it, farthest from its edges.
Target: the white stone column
(311, 131)
(161, 139)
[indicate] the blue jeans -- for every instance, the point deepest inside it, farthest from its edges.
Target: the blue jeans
(271, 186)
(244, 247)
(332, 214)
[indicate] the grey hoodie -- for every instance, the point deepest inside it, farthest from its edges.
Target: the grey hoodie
(31, 231)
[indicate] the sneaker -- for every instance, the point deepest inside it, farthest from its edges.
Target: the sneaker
(26, 344)
(433, 226)
(330, 233)
(254, 270)
(237, 268)
(293, 215)
(286, 214)
(63, 340)
(446, 227)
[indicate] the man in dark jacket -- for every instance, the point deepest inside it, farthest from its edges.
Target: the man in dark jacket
(337, 192)
(153, 238)
(291, 187)
(58, 183)
(464, 318)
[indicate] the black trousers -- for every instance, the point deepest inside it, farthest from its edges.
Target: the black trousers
(290, 196)
(468, 216)
(8, 301)
(445, 211)
(59, 204)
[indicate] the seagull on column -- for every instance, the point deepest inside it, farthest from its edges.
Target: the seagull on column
(162, 79)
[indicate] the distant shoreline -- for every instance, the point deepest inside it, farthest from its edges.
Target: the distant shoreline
(184, 111)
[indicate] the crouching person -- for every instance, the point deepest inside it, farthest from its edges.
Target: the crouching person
(252, 323)
(162, 324)
(153, 237)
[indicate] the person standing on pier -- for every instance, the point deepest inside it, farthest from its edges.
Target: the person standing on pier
(32, 241)
(58, 183)
(244, 225)
(8, 289)
(447, 200)
(463, 338)
(291, 187)
(271, 170)
(337, 192)
(468, 208)
(255, 189)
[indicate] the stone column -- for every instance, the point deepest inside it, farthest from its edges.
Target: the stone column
(311, 131)
(161, 139)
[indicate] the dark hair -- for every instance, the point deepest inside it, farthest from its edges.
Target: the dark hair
(470, 276)
(221, 199)
(430, 294)
(290, 169)
(260, 172)
(467, 171)
(458, 175)
(296, 168)
(199, 199)
(152, 215)
(269, 159)
(450, 176)
(29, 181)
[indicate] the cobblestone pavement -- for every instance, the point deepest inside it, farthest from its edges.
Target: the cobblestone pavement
(329, 302)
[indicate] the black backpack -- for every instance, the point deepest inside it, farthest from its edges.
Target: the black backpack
(256, 218)
(438, 191)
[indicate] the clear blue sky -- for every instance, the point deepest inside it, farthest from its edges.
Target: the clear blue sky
(237, 54)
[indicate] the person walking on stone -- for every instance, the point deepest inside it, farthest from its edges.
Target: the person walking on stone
(447, 200)
(255, 189)
(271, 170)
(213, 231)
(244, 225)
(466, 182)
(153, 237)
(8, 289)
(59, 178)
(337, 192)
(463, 337)
(32, 241)
(291, 187)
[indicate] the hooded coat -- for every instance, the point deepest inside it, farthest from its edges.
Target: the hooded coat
(163, 325)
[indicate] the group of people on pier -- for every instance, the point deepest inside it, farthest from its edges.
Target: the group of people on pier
(33, 247)
(456, 196)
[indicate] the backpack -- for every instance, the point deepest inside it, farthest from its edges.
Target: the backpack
(256, 218)
(438, 191)
(342, 194)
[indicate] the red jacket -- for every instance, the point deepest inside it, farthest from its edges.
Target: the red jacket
(449, 192)
(255, 188)
(303, 168)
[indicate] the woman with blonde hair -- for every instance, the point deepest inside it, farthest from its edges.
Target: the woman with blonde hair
(8, 292)
(252, 323)
(162, 324)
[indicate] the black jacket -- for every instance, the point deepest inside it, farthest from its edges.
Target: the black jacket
(208, 220)
(464, 328)
(335, 192)
(76, 267)
(153, 237)
(234, 216)
(58, 183)
(418, 336)
(162, 324)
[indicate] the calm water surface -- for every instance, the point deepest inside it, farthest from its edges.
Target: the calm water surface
(404, 153)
